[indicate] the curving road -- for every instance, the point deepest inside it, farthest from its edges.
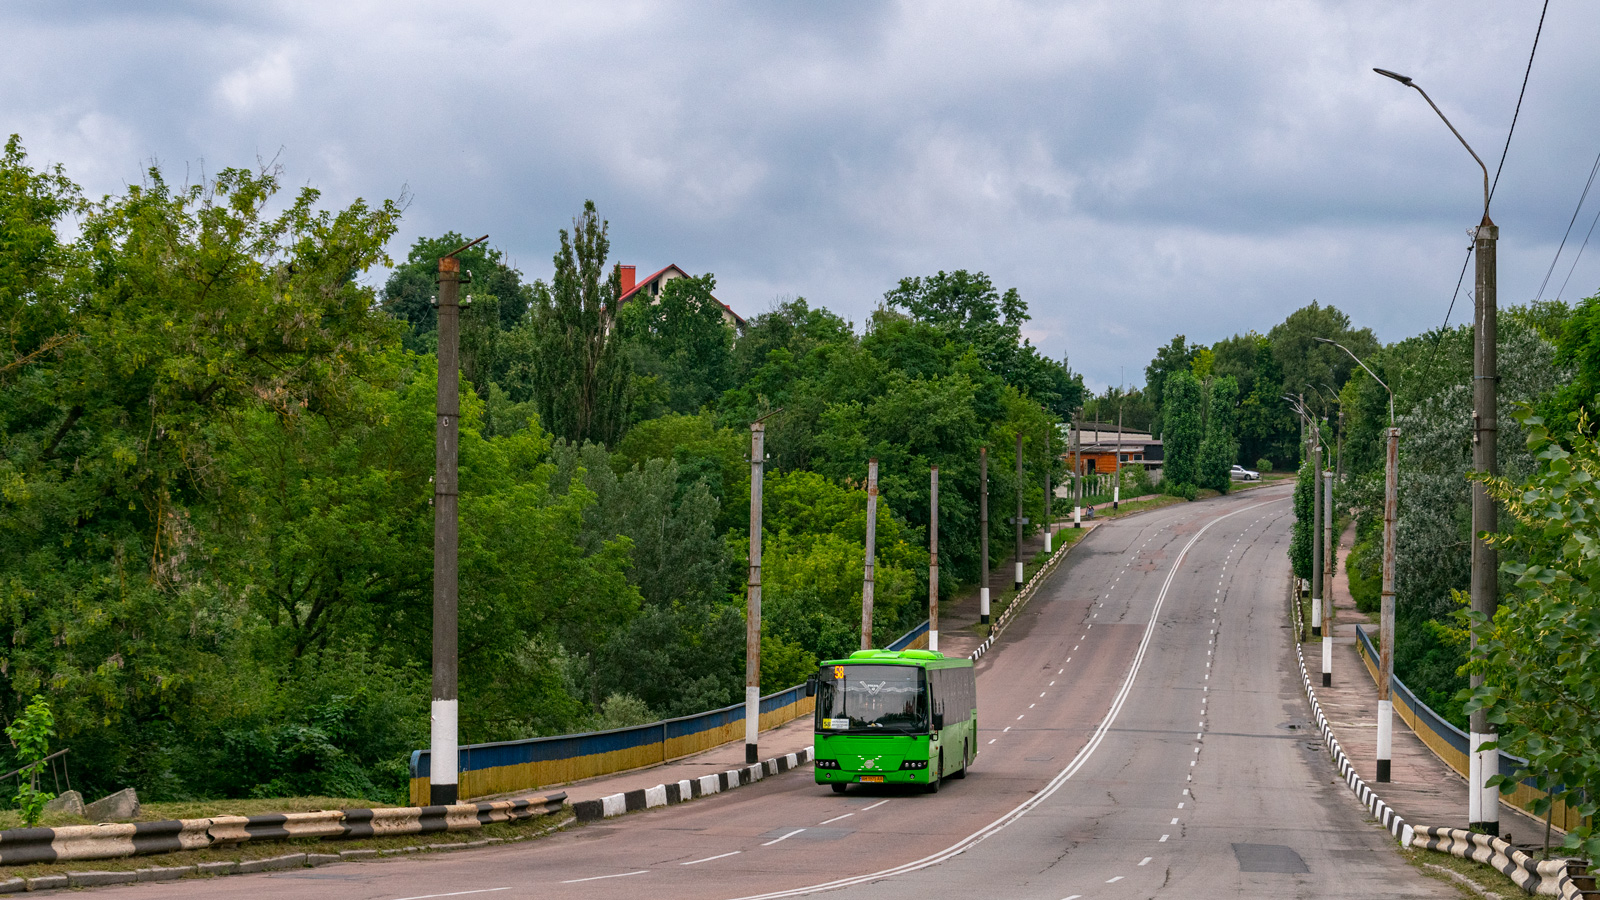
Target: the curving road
(1141, 735)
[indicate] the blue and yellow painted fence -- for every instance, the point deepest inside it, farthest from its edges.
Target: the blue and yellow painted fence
(508, 766)
(1450, 743)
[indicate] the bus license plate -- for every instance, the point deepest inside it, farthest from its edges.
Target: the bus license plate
(872, 779)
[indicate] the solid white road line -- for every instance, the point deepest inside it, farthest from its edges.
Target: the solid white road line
(882, 802)
(1096, 738)
(598, 877)
(837, 818)
(784, 838)
(455, 894)
(697, 862)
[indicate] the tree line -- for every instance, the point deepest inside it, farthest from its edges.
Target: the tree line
(215, 544)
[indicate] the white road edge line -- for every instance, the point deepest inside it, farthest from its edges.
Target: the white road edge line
(697, 862)
(598, 877)
(1078, 762)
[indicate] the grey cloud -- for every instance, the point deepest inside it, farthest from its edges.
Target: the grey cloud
(1135, 169)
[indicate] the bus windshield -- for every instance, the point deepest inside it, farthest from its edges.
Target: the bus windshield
(872, 698)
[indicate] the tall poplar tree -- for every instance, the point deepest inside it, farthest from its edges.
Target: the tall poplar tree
(580, 376)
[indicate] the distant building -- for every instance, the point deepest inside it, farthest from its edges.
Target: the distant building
(1105, 450)
(651, 288)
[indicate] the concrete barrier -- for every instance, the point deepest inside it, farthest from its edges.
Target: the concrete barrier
(21, 846)
(673, 793)
(1549, 877)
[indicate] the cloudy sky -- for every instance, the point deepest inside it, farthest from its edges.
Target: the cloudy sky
(1135, 169)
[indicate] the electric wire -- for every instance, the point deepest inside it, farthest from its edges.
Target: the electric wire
(1503, 151)
(1579, 256)
(1539, 294)
(1518, 111)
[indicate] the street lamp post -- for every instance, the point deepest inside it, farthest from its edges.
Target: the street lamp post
(1483, 802)
(1391, 481)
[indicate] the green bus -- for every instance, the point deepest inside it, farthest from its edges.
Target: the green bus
(894, 717)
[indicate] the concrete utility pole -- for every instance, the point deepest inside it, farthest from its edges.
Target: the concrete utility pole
(1077, 474)
(444, 735)
(983, 533)
(1391, 482)
(1329, 555)
(752, 619)
(1020, 518)
(1485, 558)
(1116, 486)
(1483, 802)
(872, 545)
(1316, 533)
(1049, 523)
(933, 559)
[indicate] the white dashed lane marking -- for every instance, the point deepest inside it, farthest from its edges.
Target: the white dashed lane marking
(696, 862)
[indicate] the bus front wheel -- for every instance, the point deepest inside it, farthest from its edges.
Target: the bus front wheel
(837, 788)
(964, 763)
(933, 780)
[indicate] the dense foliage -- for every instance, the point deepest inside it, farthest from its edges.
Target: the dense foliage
(216, 463)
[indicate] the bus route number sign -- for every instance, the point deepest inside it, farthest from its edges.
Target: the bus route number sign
(838, 672)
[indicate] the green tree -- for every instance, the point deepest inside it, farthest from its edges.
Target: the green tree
(1177, 355)
(682, 347)
(1540, 652)
(580, 376)
(1220, 450)
(1182, 428)
(1305, 487)
(30, 734)
(1309, 365)
(497, 290)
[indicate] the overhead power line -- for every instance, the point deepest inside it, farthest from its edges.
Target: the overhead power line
(1503, 151)
(1539, 294)
(1579, 256)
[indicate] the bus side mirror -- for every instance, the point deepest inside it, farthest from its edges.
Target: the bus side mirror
(811, 685)
(938, 721)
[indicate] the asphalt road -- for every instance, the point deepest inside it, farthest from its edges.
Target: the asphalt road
(1141, 735)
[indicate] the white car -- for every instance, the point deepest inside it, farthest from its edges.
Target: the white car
(1240, 473)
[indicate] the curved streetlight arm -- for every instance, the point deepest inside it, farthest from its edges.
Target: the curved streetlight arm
(1369, 372)
(1412, 84)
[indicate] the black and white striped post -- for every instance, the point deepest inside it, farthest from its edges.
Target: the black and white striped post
(872, 540)
(983, 533)
(933, 559)
(443, 738)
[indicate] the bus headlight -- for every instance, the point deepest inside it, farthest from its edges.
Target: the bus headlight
(914, 764)
(827, 764)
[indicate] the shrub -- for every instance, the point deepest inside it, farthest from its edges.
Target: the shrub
(1186, 491)
(1263, 465)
